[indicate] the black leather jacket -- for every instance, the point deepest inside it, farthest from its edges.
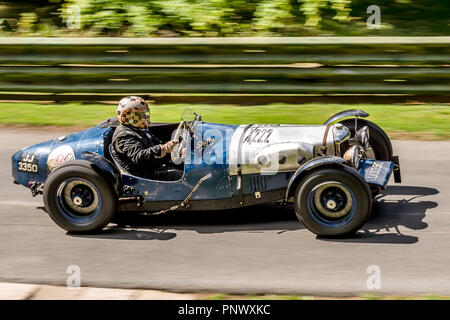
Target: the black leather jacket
(137, 152)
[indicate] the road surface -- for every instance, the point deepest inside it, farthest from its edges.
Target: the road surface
(405, 245)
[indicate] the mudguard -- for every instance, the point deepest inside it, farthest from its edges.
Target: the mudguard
(106, 168)
(308, 166)
(346, 114)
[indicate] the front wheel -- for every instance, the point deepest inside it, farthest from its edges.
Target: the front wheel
(333, 202)
(78, 198)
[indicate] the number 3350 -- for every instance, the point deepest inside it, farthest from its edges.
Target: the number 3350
(29, 167)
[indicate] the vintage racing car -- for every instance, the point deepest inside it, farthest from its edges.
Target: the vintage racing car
(331, 172)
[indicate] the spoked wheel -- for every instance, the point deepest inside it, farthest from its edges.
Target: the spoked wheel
(333, 201)
(79, 199)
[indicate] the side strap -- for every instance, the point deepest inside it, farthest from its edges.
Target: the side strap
(239, 185)
(323, 148)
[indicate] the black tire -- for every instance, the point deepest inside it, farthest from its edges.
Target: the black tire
(347, 184)
(380, 142)
(77, 181)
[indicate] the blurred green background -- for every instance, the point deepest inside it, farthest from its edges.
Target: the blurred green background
(419, 122)
(402, 83)
(192, 18)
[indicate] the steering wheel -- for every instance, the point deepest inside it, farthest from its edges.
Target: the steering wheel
(178, 153)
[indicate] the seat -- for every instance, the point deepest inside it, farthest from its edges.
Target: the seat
(107, 138)
(121, 169)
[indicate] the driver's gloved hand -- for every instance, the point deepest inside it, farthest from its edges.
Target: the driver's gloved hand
(167, 147)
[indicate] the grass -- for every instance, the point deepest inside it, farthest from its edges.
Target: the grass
(422, 122)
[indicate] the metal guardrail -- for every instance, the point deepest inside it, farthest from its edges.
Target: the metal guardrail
(243, 70)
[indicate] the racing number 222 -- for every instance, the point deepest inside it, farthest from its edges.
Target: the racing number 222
(258, 135)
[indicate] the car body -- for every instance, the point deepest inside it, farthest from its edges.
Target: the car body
(225, 166)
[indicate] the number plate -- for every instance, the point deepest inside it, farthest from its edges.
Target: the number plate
(28, 162)
(376, 171)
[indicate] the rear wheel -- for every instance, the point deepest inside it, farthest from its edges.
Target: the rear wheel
(333, 202)
(79, 199)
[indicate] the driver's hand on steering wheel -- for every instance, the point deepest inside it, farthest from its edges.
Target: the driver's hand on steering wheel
(168, 146)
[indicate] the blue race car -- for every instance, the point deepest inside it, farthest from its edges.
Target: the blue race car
(331, 172)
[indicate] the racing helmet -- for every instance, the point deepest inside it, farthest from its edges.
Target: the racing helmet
(133, 111)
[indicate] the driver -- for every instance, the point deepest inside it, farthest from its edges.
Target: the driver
(137, 150)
